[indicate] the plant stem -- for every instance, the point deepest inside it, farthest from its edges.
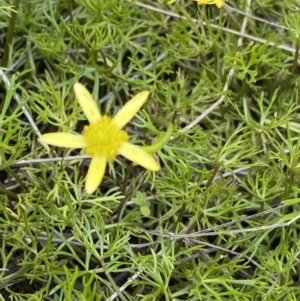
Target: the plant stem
(10, 33)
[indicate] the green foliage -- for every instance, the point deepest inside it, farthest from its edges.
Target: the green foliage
(256, 56)
(292, 21)
(141, 201)
(219, 221)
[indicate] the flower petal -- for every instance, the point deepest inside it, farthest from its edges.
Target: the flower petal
(63, 140)
(218, 3)
(137, 155)
(87, 103)
(95, 174)
(130, 109)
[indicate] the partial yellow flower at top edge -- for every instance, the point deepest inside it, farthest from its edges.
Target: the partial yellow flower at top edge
(218, 3)
(103, 138)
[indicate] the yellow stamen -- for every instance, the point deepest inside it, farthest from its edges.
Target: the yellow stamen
(103, 138)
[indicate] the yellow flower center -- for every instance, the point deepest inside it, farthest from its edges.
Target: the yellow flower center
(104, 138)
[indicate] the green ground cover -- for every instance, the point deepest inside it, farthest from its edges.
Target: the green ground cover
(219, 220)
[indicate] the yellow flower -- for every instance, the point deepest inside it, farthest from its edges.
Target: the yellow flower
(104, 138)
(218, 3)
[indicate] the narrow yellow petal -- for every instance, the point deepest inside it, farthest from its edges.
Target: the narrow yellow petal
(87, 103)
(218, 3)
(95, 174)
(137, 155)
(130, 109)
(63, 140)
